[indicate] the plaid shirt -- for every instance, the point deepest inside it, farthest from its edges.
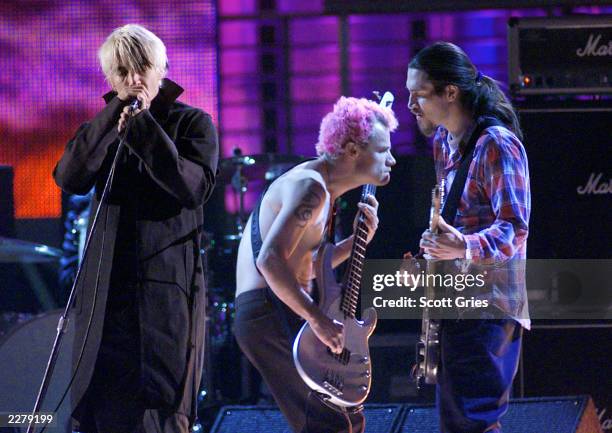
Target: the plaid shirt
(493, 212)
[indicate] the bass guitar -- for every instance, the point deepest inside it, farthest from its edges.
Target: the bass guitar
(344, 379)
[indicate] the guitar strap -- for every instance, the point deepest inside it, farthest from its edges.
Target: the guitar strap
(449, 211)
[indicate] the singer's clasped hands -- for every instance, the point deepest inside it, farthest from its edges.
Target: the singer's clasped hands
(142, 86)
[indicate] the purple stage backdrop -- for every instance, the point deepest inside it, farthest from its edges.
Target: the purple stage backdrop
(280, 70)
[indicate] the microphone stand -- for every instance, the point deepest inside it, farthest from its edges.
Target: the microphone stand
(63, 320)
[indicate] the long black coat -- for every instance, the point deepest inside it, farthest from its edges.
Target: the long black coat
(149, 233)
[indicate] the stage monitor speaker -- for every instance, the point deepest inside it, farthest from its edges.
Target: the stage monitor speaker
(570, 167)
(380, 418)
(530, 415)
(7, 210)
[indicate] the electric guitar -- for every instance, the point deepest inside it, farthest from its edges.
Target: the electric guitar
(344, 378)
(428, 346)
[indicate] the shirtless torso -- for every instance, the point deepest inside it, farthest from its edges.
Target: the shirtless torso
(300, 261)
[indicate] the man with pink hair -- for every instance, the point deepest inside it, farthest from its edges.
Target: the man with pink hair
(275, 259)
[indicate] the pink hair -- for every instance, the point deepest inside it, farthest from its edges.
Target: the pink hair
(352, 120)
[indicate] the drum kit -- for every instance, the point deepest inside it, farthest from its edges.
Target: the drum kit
(18, 269)
(17, 251)
(24, 273)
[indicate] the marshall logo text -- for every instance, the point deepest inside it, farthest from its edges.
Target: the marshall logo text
(595, 185)
(604, 420)
(593, 48)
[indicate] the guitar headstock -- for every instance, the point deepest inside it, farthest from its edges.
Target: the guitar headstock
(437, 200)
(386, 100)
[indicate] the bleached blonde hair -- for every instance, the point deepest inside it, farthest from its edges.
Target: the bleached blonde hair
(134, 48)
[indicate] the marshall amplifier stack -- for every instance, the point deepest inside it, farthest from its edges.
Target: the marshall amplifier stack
(560, 76)
(560, 73)
(570, 55)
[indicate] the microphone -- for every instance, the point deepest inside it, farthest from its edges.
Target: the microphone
(135, 105)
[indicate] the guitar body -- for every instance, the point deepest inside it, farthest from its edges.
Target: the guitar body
(345, 378)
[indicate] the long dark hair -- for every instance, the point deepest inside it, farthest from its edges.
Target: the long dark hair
(446, 63)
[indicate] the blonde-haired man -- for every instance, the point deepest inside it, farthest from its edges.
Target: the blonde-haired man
(140, 302)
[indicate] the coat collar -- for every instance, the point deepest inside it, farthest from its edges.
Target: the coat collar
(168, 93)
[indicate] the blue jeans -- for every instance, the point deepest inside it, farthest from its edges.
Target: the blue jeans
(478, 361)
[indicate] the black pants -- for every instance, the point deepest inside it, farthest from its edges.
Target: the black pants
(261, 327)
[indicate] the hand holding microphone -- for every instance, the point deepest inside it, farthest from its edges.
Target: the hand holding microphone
(135, 105)
(141, 101)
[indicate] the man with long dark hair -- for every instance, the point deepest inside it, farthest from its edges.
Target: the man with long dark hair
(470, 117)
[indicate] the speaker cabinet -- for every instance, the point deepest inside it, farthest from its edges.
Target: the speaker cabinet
(536, 415)
(574, 414)
(570, 167)
(569, 359)
(268, 419)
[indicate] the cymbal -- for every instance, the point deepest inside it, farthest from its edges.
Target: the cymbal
(18, 251)
(265, 166)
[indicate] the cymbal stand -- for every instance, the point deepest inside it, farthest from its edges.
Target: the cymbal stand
(240, 184)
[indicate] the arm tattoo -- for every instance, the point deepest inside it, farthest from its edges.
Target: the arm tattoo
(310, 201)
